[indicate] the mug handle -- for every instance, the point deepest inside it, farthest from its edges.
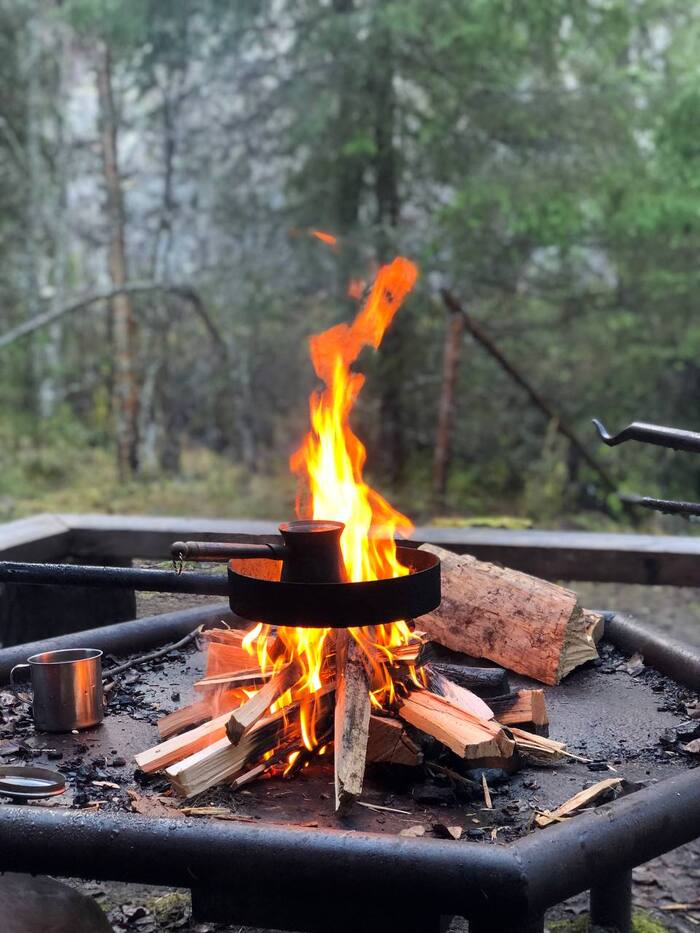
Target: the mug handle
(17, 667)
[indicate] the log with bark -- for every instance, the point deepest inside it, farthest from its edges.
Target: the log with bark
(526, 624)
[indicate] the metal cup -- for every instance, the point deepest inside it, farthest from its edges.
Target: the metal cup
(67, 688)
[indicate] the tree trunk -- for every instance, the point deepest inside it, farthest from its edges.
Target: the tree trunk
(125, 392)
(450, 369)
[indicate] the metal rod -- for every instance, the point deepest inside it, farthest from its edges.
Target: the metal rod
(611, 903)
(125, 637)
(673, 438)
(158, 581)
(225, 551)
(667, 506)
(678, 661)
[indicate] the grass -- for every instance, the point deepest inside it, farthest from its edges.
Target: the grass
(642, 922)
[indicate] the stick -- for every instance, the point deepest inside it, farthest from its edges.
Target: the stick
(485, 681)
(153, 656)
(248, 713)
(352, 714)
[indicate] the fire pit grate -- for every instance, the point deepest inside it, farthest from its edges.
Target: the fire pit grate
(320, 871)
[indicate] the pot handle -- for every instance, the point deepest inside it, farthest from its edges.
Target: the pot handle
(17, 667)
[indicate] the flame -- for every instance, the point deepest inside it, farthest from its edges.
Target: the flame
(329, 464)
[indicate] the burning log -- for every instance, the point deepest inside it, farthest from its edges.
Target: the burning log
(462, 732)
(248, 678)
(522, 708)
(222, 760)
(226, 658)
(352, 715)
(526, 624)
(248, 713)
(389, 743)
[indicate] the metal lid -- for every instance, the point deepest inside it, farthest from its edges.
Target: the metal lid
(23, 782)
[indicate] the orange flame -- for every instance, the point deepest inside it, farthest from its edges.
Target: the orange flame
(329, 462)
(325, 237)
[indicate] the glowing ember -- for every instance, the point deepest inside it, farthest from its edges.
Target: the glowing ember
(329, 464)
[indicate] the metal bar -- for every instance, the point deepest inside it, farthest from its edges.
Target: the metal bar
(575, 856)
(611, 903)
(667, 506)
(159, 581)
(660, 436)
(299, 865)
(125, 637)
(678, 661)
(518, 880)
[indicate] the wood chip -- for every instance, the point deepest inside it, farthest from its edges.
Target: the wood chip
(376, 806)
(487, 792)
(576, 802)
(413, 831)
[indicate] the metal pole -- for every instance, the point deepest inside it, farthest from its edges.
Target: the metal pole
(611, 903)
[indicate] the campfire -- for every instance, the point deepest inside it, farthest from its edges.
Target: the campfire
(273, 698)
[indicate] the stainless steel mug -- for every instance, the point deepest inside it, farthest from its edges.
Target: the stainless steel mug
(67, 688)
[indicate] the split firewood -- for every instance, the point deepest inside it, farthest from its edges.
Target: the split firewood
(227, 659)
(526, 624)
(389, 743)
(222, 760)
(577, 802)
(248, 678)
(181, 746)
(462, 698)
(538, 748)
(183, 718)
(466, 735)
(484, 681)
(523, 708)
(248, 713)
(352, 715)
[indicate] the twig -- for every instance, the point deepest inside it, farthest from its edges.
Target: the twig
(154, 655)
(376, 806)
(487, 792)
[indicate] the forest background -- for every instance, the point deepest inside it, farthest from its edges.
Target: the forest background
(163, 164)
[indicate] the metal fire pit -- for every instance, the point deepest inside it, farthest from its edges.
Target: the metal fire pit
(359, 874)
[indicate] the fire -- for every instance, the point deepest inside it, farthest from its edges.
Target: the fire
(329, 464)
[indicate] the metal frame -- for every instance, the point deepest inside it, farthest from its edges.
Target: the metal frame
(301, 879)
(307, 879)
(229, 867)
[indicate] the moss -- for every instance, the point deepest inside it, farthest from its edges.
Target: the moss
(642, 922)
(170, 907)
